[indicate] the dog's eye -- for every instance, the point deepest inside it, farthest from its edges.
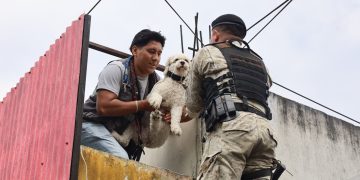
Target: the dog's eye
(186, 60)
(176, 60)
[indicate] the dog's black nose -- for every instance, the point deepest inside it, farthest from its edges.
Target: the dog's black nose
(182, 63)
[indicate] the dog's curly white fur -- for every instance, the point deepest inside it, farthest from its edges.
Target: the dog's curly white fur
(169, 94)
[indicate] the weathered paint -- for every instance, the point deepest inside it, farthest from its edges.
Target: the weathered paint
(312, 144)
(37, 117)
(100, 165)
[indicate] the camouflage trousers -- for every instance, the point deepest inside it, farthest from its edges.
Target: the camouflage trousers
(243, 145)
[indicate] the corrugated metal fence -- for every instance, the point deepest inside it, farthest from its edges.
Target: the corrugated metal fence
(40, 116)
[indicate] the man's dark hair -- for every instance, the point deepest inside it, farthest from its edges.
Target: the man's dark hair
(143, 37)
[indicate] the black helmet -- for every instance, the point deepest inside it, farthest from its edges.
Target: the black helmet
(230, 19)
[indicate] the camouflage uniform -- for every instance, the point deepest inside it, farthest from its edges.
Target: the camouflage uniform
(235, 147)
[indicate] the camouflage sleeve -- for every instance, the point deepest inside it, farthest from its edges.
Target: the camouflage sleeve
(194, 91)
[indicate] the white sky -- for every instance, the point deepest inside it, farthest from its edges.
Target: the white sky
(312, 47)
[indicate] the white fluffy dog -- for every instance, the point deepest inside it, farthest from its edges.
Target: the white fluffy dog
(169, 93)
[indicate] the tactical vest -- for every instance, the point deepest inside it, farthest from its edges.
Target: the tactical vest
(247, 78)
(119, 123)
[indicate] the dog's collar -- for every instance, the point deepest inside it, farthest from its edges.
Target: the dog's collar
(175, 77)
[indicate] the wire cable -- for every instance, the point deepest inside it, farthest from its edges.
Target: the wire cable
(288, 2)
(270, 21)
(202, 44)
(316, 102)
(93, 7)
(267, 15)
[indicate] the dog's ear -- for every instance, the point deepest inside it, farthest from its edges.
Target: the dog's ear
(167, 64)
(166, 70)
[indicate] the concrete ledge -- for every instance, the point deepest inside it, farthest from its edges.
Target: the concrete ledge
(95, 164)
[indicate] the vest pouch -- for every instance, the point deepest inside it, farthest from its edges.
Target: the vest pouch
(210, 117)
(230, 105)
(215, 113)
(220, 109)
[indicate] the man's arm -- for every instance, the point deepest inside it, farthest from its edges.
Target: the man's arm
(108, 104)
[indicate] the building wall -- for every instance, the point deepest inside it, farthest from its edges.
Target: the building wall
(312, 144)
(94, 164)
(179, 153)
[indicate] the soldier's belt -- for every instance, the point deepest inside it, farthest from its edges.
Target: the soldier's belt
(247, 108)
(257, 174)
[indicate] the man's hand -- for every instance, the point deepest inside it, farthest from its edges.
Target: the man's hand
(185, 116)
(144, 105)
(167, 116)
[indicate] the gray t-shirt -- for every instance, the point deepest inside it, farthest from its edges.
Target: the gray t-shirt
(143, 81)
(111, 78)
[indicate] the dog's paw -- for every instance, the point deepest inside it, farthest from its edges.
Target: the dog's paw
(155, 101)
(175, 129)
(156, 104)
(156, 115)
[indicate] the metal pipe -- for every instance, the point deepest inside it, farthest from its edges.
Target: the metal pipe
(115, 52)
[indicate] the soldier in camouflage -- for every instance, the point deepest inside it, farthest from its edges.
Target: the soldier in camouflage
(228, 88)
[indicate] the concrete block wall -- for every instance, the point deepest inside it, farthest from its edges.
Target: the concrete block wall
(314, 145)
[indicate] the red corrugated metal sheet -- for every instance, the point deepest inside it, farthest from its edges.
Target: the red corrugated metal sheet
(37, 117)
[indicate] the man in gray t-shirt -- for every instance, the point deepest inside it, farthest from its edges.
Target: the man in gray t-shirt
(119, 96)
